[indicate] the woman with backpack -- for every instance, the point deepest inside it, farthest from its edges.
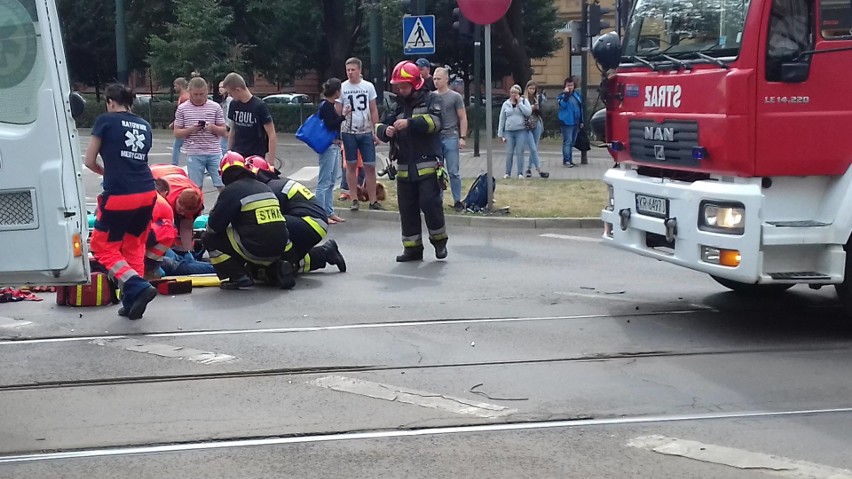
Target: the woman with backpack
(332, 114)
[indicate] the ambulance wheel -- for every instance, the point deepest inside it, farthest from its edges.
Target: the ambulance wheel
(747, 289)
(844, 289)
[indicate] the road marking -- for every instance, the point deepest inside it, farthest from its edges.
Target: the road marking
(166, 351)
(355, 326)
(397, 433)
(571, 237)
(607, 297)
(738, 458)
(412, 396)
(306, 173)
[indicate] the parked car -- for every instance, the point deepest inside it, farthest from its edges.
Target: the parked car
(288, 99)
(144, 99)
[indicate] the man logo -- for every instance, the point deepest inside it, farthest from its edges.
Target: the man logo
(659, 134)
(660, 152)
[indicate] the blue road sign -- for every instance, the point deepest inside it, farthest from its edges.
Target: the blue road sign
(418, 35)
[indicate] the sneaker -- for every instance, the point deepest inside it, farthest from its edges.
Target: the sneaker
(376, 206)
(458, 206)
(344, 197)
(243, 281)
(333, 255)
(355, 206)
(520, 177)
(505, 177)
(137, 309)
(571, 165)
(529, 174)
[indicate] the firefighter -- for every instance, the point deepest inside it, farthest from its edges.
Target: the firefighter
(163, 233)
(123, 140)
(414, 130)
(186, 201)
(246, 226)
(307, 222)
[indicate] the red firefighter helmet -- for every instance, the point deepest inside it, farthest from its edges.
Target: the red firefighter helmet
(231, 158)
(257, 163)
(407, 72)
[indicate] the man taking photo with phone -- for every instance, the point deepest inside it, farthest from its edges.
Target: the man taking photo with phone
(201, 123)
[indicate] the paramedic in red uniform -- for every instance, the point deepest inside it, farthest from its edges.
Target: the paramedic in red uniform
(125, 207)
(163, 232)
(186, 201)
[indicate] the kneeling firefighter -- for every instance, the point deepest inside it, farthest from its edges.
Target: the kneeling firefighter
(246, 226)
(307, 222)
(415, 129)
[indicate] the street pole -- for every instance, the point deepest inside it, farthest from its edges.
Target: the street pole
(489, 118)
(421, 7)
(376, 53)
(584, 82)
(477, 82)
(120, 42)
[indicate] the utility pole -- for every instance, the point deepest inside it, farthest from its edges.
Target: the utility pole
(584, 82)
(421, 7)
(376, 51)
(120, 42)
(477, 86)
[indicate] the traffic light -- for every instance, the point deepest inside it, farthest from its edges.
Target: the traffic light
(596, 23)
(462, 25)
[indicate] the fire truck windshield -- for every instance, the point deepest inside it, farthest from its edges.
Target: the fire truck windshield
(691, 28)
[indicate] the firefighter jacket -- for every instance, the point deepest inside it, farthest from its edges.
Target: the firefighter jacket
(248, 213)
(417, 148)
(293, 197)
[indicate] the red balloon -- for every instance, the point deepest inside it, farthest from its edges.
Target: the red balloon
(484, 12)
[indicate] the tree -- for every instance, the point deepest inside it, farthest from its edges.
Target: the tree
(198, 40)
(342, 28)
(88, 31)
(527, 31)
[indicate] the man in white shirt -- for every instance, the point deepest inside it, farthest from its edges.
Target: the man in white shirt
(358, 132)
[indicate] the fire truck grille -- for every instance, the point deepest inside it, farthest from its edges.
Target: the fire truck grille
(669, 143)
(17, 209)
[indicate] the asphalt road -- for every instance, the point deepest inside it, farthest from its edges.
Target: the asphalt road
(527, 353)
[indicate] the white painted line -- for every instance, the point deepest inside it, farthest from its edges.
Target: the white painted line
(306, 173)
(412, 396)
(571, 237)
(11, 323)
(738, 458)
(403, 276)
(607, 297)
(436, 431)
(166, 351)
(344, 327)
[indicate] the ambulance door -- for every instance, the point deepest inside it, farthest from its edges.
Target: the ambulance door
(43, 227)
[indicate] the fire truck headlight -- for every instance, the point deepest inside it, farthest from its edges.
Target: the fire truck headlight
(728, 218)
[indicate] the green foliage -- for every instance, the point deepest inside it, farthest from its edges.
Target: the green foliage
(88, 31)
(197, 41)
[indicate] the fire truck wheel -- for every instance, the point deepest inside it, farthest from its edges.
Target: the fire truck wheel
(844, 289)
(747, 289)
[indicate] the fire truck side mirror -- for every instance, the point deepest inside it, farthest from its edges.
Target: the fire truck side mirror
(78, 105)
(796, 72)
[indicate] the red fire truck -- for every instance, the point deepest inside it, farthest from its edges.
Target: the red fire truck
(730, 122)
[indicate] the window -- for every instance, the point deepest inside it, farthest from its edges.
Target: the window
(835, 19)
(790, 34)
(22, 70)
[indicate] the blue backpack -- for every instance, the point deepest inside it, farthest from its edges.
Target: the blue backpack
(477, 196)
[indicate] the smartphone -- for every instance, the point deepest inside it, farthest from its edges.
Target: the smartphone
(202, 123)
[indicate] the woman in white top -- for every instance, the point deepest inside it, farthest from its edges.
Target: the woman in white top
(513, 129)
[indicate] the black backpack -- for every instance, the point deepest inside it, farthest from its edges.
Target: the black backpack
(477, 196)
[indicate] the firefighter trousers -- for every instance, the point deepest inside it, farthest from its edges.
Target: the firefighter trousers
(228, 260)
(118, 239)
(424, 195)
(306, 232)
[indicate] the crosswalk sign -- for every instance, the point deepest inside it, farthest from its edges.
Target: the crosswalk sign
(418, 35)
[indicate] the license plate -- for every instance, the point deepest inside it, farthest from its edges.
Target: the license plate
(652, 206)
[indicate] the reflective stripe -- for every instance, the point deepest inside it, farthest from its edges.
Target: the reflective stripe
(156, 252)
(257, 197)
(402, 174)
(439, 231)
(153, 256)
(306, 261)
(412, 241)
(236, 243)
(426, 164)
(429, 122)
(99, 295)
(439, 237)
(78, 301)
(126, 275)
(289, 246)
(219, 258)
(426, 171)
(321, 229)
(265, 203)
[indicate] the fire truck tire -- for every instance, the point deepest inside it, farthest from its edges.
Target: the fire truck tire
(747, 289)
(844, 289)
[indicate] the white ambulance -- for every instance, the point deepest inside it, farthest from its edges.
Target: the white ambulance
(43, 227)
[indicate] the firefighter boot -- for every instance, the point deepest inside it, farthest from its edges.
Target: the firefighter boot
(243, 281)
(333, 256)
(286, 275)
(440, 248)
(410, 254)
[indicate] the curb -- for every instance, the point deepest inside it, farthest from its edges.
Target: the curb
(480, 221)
